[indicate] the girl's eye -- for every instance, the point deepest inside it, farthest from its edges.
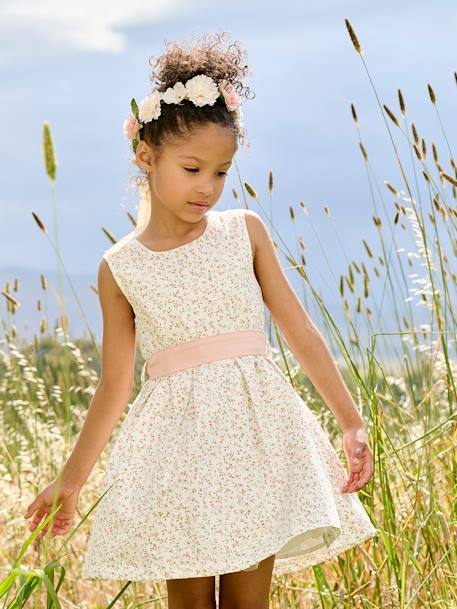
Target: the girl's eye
(193, 169)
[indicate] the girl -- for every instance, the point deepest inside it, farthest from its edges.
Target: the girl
(220, 468)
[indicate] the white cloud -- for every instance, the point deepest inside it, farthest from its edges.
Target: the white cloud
(88, 25)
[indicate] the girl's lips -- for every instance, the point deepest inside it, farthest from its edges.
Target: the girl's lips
(197, 206)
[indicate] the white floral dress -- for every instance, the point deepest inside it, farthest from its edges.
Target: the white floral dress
(218, 466)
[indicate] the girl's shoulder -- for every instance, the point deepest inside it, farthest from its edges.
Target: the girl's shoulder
(234, 219)
(230, 216)
(119, 247)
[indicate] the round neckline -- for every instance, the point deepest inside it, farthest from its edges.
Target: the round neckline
(179, 247)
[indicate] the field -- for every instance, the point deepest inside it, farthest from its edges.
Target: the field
(401, 372)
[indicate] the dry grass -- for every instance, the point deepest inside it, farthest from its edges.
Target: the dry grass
(403, 379)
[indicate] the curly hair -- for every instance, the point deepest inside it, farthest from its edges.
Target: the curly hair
(178, 63)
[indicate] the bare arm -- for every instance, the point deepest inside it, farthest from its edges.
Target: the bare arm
(301, 334)
(116, 381)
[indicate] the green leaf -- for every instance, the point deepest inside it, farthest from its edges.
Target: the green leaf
(134, 107)
(35, 533)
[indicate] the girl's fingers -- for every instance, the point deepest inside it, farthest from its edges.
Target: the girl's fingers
(58, 528)
(37, 519)
(352, 478)
(356, 484)
(53, 533)
(367, 469)
(36, 503)
(43, 531)
(357, 480)
(59, 531)
(360, 469)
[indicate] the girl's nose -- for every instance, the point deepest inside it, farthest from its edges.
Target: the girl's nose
(204, 195)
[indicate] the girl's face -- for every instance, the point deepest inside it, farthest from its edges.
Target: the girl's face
(190, 169)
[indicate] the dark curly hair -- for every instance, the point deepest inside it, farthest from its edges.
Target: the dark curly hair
(179, 63)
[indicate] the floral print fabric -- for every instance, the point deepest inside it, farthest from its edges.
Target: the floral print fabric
(218, 466)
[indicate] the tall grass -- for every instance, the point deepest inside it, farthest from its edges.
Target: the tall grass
(403, 379)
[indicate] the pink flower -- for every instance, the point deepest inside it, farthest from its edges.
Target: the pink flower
(131, 126)
(232, 99)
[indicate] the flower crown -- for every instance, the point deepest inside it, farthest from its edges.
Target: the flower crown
(201, 90)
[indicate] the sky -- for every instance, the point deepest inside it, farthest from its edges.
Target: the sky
(78, 64)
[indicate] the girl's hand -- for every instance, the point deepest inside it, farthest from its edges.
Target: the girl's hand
(359, 458)
(41, 507)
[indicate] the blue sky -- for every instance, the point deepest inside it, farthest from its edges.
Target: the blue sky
(77, 65)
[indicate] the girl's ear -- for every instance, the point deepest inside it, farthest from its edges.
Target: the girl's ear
(144, 156)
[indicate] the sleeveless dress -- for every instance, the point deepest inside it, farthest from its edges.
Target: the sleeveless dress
(218, 466)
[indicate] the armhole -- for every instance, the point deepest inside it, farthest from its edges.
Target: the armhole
(107, 257)
(245, 234)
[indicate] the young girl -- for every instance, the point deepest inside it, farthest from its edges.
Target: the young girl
(220, 468)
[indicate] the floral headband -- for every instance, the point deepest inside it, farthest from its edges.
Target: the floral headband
(201, 90)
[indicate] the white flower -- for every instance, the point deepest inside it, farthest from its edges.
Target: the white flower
(173, 95)
(202, 90)
(149, 107)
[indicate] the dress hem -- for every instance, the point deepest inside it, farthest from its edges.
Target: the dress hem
(280, 564)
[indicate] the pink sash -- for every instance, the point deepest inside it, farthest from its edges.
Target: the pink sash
(206, 349)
